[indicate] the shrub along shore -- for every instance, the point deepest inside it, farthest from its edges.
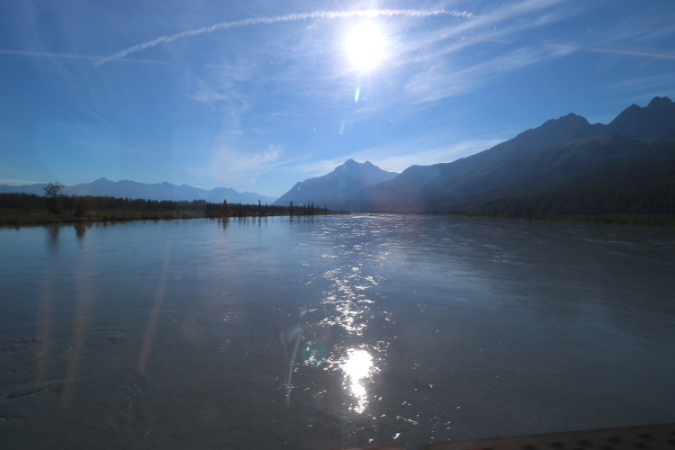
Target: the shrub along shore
(26, 209)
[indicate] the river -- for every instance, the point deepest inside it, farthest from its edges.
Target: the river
(322, 332)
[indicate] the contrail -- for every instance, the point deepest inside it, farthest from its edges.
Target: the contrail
(634, 53)
(72, 56)
(285, 18)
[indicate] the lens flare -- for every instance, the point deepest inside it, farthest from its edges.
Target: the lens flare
(366, 46)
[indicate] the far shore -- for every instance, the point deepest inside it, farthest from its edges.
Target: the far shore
(30, 209)
(18, 218)
(46, 218)
(660, 220)
(605, 219)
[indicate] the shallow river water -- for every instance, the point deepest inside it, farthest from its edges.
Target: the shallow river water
(316, 333)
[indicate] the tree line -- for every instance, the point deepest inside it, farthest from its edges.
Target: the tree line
(69, 203)
(110, 208)
(238, 210)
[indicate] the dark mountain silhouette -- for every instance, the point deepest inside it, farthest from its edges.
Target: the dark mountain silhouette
(334, 188)
(653, 122)
(608, 174)
(158, 191)
(567, 154)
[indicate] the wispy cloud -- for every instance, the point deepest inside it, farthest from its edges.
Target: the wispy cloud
(447, 62)
(440, 81)
(659, 80)
(398, 157)
(501, 26)
(424, 65)
(75, 56)
(243, 168)
(639, 28)
(630, 37)
(276, 19)
(645, 54)
(645, 88)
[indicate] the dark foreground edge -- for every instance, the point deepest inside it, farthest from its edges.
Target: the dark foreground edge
(643, 437)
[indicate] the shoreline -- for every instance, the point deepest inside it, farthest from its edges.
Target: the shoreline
(600, 219)
(112, 217)
(124, 216)
(665, 220)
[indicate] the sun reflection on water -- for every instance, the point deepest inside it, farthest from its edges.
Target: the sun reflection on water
(349, 303)
(358, 367)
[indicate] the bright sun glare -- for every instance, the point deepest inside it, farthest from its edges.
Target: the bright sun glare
(366, 46)
(358, 366)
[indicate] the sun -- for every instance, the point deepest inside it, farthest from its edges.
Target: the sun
(366, 46)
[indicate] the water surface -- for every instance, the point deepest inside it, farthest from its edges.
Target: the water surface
(313, 333)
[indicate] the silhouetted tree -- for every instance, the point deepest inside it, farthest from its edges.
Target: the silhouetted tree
(53, 191)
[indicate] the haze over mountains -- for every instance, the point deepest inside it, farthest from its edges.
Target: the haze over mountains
(334, 189)
(565, 166)
(158, 191)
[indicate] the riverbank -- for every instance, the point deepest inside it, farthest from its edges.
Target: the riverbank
(665, 220)
(30, 209)
(46, 218)
(659, 220)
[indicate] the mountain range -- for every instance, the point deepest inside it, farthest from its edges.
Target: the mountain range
(157, 191)
(336, 188)
(564, 166)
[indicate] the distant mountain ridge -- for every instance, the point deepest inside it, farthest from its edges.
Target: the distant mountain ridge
(560, 155)
(564, 166)
(653, 122)
(335, 188)
(157, 191)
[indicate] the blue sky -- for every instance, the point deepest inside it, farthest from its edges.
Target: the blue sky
(261, 104)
